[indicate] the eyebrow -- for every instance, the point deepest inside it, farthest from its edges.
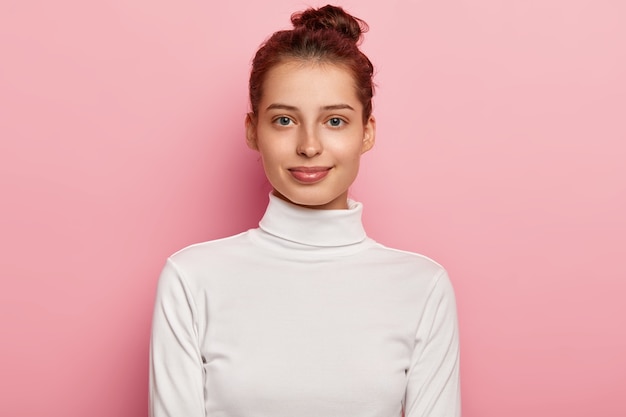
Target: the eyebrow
(281, 106)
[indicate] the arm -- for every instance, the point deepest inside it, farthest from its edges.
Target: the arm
(176, 373)
(433, 388)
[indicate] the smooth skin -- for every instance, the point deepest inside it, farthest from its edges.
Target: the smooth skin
(310, 133)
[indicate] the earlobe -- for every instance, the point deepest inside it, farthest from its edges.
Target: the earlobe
(369, 135)
(251, 132)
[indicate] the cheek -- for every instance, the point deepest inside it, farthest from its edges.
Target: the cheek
(349, 151)
(272, 156)
(273, 145)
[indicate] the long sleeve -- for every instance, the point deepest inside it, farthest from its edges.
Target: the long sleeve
(176, 372)
(433, 388)
(304, 316)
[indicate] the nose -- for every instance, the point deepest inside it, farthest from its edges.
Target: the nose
(309, 144)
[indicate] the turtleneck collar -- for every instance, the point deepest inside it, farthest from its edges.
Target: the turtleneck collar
(312, 227)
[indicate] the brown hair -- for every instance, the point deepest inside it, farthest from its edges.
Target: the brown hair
(325, 35)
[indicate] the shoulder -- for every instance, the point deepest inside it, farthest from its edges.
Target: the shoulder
(213, 253)
(416, 269)
(210, 247)
(406, 258)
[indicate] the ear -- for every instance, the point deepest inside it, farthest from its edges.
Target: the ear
(251, 139)
(369, 134)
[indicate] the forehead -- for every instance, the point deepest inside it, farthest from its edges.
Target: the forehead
(306, 83)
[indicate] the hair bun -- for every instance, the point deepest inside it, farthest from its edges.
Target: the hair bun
(332, 18)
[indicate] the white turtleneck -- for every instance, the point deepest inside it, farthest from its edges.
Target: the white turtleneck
(303, 317)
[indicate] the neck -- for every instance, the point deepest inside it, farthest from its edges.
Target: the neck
(311, 226)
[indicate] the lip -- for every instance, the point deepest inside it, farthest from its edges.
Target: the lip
(309, 175)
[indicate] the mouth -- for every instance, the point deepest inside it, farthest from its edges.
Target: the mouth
(309, 175)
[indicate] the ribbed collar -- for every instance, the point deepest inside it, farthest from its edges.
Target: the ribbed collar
(321, 228)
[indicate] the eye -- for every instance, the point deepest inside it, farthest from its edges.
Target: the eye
(283, 121)
(335, 121)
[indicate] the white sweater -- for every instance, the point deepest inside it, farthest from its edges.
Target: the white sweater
(303, 317)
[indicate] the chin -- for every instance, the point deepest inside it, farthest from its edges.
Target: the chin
(315, 201)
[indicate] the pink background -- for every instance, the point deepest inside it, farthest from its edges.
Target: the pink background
(501, 148)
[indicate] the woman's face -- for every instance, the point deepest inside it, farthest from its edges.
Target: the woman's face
(310, 133)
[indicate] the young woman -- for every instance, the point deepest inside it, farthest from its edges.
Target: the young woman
(305, 315)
